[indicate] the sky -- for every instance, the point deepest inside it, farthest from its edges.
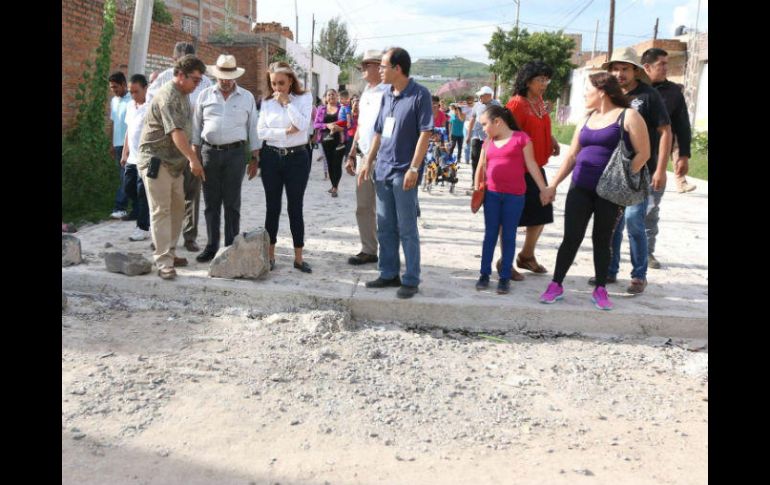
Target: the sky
(448, 28)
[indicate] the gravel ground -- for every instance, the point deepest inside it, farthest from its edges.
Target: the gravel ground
(173, 394)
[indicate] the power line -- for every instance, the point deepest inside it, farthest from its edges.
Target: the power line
(578, 14)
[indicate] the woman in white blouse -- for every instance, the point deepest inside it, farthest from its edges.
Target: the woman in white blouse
(283, 125)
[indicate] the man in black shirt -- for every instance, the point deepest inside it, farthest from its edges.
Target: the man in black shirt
(647, 102)
(655, 63)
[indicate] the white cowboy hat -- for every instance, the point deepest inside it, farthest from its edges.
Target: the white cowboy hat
(485, 90)
(226, 68)
(372, 55)
(628, 55)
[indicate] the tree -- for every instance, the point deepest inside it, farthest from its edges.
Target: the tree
(336, 46)
(511, 50)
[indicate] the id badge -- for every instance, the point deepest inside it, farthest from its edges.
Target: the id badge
(387, 128)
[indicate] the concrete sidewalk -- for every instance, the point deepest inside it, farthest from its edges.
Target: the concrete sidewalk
(675, 303)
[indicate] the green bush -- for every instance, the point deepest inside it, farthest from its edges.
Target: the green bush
(699, 161)
(89, 178)
(563, 133)
(160, 13)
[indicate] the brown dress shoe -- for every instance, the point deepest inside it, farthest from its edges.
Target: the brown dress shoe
(191, 246)
(637, 286)
(179, 262)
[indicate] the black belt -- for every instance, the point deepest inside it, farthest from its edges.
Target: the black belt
(286, 151)
(226, 146)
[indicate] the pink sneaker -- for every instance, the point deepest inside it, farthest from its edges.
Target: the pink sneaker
(554, 292)
(601, 299)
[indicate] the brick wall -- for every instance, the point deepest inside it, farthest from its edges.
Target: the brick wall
(81, 28)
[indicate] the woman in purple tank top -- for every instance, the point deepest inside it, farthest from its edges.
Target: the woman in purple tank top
(593, 143)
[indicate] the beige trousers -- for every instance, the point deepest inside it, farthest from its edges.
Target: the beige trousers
(165, 196)
(366, 213)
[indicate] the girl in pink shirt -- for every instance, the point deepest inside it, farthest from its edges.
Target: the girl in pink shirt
(505, 156)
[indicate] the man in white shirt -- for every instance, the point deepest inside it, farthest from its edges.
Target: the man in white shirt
(224, 120)
(134, 186)
(368, 109)
(118, 104)
(192, 185)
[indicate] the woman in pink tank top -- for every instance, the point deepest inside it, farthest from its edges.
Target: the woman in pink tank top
(505, 157)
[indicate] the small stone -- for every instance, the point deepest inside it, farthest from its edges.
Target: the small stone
(107, 245)
(131, 264)
(78, 436)
(78, 392)
(295, 422)
(70, 250)
(584, 471)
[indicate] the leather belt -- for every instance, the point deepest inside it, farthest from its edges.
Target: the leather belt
(288, 150)
(226, 146)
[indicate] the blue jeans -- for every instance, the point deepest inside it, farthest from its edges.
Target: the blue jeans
(500, 210)
(637, 237)
(121, 199)
(653, 216)
(397, 221)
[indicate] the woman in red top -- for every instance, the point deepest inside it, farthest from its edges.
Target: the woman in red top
(532, 116)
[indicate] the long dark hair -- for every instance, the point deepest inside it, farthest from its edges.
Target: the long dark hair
(494, 111)
(528, 72)
(606, 82)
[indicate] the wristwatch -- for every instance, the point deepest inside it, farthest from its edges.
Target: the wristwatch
(414, 169)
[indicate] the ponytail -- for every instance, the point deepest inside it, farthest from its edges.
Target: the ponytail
(494, 111)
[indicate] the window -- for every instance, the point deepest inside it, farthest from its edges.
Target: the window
(190, 25)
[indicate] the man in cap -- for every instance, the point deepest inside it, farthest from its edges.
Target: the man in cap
(646, 100)
(475, 131)
(192, 185)
(164, 152)
(224, 120)
(655, 62)
(368, 109)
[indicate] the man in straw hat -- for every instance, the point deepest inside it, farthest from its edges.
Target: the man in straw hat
(646, 100)
(368, 109)
(224, 120)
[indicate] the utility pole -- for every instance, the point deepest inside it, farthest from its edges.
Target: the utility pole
(612, 29)
(596, 35)
(296, 23)
(518, 5)
(312, 54)
(655, 35)
(140, 37)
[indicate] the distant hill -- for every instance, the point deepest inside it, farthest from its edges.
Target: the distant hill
(450, 67)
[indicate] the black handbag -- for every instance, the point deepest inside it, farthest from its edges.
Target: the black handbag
(617, 184)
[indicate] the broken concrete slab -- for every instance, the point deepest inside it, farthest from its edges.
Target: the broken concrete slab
(247, 257)
(131, 264)
(70, 250)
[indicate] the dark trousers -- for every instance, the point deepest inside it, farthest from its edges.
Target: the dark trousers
(458, 141)
(134, 188)
(192, 201)
(224, 175)
(290, 171)
(580, 205)
(121, 199)
(334, 159)
(475, 155)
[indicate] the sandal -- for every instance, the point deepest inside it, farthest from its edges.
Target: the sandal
(530, 264)
(515, 275)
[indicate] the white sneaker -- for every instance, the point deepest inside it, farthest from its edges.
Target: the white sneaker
(118, 214)
(139, 235)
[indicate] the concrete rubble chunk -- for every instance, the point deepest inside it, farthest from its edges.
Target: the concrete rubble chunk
(131, 264)
(70, 250)
(245, 258)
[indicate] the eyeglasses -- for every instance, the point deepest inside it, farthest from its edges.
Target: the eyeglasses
(542, 80)
(382, 67)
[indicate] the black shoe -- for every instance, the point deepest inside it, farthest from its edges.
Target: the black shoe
(272, 264)
(129, 217)
(503, 286)
(304, 267)
(362, 258)
(610, 279)
(191, 246)
(406, 291)
(483, 282)
(206, 256)
(381, 283)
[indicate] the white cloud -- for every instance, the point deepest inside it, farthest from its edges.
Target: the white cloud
(686, 15)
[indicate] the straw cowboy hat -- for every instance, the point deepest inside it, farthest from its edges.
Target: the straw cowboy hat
(628, 55)
(226, 68)
(372, 55)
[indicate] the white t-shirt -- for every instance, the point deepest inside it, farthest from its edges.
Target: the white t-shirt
(135, 122)
(368, 110)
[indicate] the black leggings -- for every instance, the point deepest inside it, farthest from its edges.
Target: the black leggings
(457, 140)
(580, 205)
(334, 159)
(291, 171)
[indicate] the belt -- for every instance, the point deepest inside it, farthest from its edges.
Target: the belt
(288, 150)
(225, 146)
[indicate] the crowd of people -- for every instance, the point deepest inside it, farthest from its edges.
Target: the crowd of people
(182, 134)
